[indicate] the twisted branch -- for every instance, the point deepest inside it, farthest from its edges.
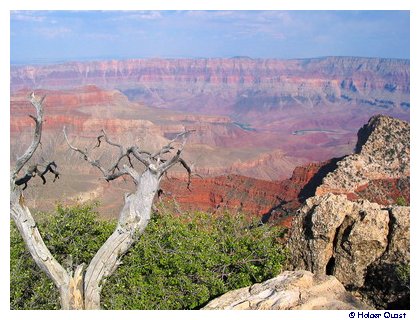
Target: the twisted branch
(153, 162)
(33, 170)
(22, 160)
(22, 216)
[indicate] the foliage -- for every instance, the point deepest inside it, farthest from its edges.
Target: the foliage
(29, 287)
(403, 274)
(180, 262)
(401, 201)
(73, 235)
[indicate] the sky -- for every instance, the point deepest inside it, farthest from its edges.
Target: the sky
(55, 36)
(51, 36)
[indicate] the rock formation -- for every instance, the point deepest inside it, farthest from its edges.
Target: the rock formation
(270, 114)
(276, 201)
(291, 290)
(231, 192)
(382, 152)
(362, 243)
(335, 236)
(241, 84)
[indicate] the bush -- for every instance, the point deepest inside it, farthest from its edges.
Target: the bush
(401, 201)
(403, 274)
(180, 262)
(184, 261)
(73, 235)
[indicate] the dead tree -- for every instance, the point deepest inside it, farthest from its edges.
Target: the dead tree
(23, 219)
(82, 290)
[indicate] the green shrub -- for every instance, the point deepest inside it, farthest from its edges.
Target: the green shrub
(180, 262)
(401, 201)
(184, 261)
(403, 274)
(73, 235)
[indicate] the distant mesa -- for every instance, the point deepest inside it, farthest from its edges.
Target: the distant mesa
(266, 119)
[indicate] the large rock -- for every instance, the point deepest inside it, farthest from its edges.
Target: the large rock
(232, 192)
(382, 153)
(391, 292)
(291, 290)
(356, 242)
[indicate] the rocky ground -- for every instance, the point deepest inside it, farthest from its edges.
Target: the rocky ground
(361, 244)
(291, 290)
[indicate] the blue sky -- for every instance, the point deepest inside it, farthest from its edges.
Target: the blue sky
(50, 36)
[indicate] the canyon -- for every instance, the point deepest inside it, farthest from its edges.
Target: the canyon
(320, 146)
(265, 126)
(351, 247)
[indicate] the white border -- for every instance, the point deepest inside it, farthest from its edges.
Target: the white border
(7, 5)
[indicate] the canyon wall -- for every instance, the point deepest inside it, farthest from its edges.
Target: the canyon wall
(357, 226)
(259, 118)
(237, 86)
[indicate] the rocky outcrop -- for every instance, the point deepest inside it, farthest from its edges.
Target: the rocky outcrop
(387, 281)
(291, 290)
(350, 228)
(382, 152)
(232, 192)
(349, 239)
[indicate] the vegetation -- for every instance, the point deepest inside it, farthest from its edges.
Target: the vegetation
(401, 201)
(403, 274)
(180, 262)
(73, 235)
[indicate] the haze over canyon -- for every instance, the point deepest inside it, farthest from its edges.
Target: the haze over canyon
(259, 118)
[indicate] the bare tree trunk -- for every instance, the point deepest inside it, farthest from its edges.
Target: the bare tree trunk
(42, 256)
(79, 291)
(133, 220)
(25, 222)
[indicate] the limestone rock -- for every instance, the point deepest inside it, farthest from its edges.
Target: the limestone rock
(291, 290)
(354, 241)
(382, 152)
(391, 292)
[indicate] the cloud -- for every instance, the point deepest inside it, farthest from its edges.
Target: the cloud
(101, 36)
(137, 15)
(53, 32)
(27, 16)
(243, 24)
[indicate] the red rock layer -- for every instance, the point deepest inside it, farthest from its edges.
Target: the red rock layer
(225, 192)
(274, 201)
(352, 73)
(386, 191)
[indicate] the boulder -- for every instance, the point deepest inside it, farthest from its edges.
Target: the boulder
(382, 153)
(291, 290)
(356, 242)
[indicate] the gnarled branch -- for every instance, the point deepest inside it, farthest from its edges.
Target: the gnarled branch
(153, 162)
(50, 167)
(22, 160)
(33, 170)
(22, 216)
(136, 212)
